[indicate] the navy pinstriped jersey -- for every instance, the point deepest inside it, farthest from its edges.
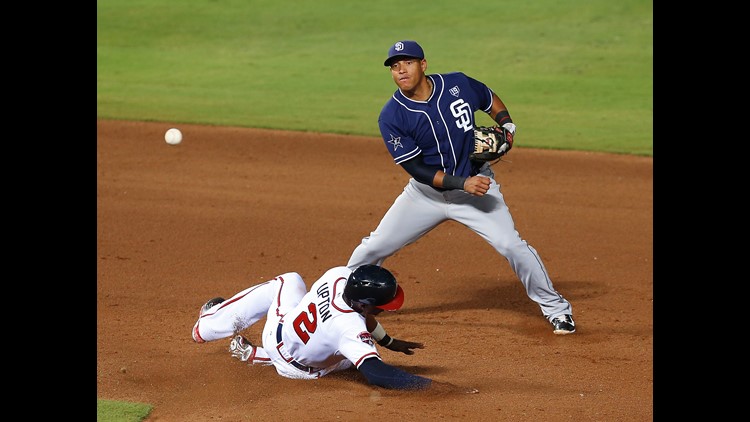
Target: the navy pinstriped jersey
(440, 128)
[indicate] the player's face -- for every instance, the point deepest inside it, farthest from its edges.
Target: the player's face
(369, 309)
(408, 73)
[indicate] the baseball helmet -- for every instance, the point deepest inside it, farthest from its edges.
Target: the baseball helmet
(374, 285)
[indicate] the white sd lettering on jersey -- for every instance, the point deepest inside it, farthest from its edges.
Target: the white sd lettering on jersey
(461, 111)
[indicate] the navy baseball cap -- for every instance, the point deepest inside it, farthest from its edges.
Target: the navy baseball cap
(404, 48)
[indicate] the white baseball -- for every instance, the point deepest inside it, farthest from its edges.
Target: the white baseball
(173, 136)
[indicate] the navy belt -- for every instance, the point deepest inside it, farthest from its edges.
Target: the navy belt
(294, 363)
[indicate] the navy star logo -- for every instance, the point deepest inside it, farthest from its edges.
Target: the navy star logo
(396, 142)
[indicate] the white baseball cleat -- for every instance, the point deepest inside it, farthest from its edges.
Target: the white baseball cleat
(242, 349)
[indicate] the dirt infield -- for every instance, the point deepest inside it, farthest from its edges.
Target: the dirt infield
(231, 207)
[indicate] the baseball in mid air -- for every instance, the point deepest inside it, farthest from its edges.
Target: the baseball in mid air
(173, 136)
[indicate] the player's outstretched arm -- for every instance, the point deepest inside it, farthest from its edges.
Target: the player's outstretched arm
(383, 375)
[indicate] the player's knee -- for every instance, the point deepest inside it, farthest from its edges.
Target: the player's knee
(507, 248)
(293, 279)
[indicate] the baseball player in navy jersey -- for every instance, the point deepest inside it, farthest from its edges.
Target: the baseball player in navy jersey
(309, 334)
(427, 126)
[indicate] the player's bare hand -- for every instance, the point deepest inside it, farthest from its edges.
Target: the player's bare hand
(404, 346)
(477, 185)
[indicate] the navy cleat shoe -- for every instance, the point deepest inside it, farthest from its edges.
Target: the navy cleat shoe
(563, 324)
(208, 305)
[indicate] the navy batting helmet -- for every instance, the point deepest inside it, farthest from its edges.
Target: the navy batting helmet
(374, 285)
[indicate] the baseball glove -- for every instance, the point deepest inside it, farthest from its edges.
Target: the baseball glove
(491, 143)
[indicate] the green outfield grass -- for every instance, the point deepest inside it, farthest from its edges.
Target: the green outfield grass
(575, 74)
(117, 411)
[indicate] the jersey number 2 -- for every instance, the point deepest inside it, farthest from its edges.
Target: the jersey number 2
(310, 323)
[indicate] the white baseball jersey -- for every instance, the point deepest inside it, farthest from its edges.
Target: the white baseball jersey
(322, 330)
